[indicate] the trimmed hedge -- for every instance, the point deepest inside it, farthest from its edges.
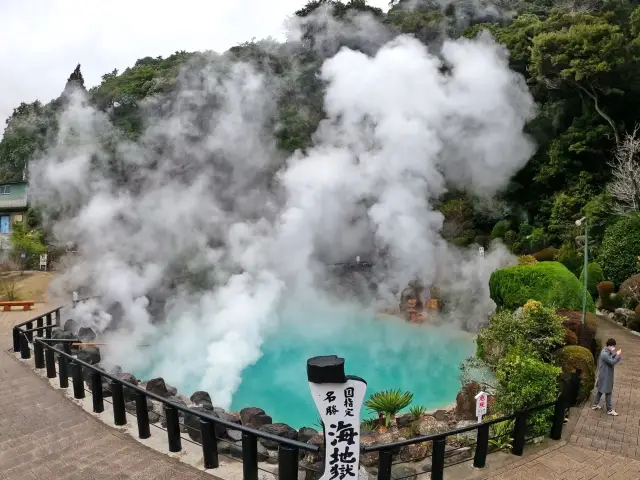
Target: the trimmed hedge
(546, 254)
(620, 249)
(595, 276)
(605, 289)
(548, 282)
(571, 357)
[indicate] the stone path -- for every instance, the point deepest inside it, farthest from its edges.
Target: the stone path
(597, 445)
(45, 436)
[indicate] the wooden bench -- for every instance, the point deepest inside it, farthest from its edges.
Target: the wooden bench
(25, 304)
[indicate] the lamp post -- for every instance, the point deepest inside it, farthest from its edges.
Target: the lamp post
(585, 269)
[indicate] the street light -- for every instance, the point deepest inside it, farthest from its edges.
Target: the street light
(585, 269)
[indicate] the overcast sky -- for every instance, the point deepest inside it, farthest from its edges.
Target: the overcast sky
(41, 41)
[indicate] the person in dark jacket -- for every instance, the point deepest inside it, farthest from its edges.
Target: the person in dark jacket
(604, 384)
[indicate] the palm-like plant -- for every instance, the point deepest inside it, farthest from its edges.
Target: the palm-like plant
(387, 403)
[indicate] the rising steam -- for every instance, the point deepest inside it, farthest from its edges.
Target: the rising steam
(202, 233)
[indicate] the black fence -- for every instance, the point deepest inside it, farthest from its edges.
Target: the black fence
(289, 451)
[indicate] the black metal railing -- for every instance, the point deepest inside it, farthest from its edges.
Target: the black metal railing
(289, 450)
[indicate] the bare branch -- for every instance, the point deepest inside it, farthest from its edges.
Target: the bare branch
(625, 185)
(594, 96)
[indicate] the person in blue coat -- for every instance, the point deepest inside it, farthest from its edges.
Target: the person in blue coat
(608, 359)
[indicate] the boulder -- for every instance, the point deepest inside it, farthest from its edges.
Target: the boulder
(258, 421)
(70, 326)
(153, 417)
(157, 386)
(235, 435)
(86, 334)
(90, 355)
(403, 472)
(200, 397)
(246, 414)
(413, 453)
(279, 429)
(404, 420)
(314, 472)
(469, 437)
(441, 415)
(235, 450)
(176, 401)
(182, 426)
(129, 395)
(428, 425)
(456, 454)
(192, 422)
(363, 474)
(173, 391)
(624, 315)
(306, 433)
(131, 406)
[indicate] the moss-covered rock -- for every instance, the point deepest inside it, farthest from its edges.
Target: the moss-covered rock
(575, 357)
(549, 282)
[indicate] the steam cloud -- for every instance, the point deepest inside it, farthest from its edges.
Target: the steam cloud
(202, 233)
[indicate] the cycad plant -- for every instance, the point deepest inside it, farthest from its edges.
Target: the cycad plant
(387, 404)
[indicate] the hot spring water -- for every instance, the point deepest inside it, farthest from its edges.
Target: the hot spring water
(388, 353)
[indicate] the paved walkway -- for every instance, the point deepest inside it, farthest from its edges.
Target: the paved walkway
(597, 445)
(45, 436)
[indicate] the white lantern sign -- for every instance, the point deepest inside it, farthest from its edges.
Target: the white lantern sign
(481, 405)
(338, 398)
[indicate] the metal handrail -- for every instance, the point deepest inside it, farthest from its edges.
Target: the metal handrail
(230, 425)
(451, 433)
(288, 448)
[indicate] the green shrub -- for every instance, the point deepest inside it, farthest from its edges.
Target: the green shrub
(510, 237)
(482, 240)
(634, 325)
(516, 247)
(549, 282)
(527, 260)
(594, 277)
(569, 256)
(571, 357)
(546, 254)
(620, 249)
(537, 329)
(523, 382)
(500, 229)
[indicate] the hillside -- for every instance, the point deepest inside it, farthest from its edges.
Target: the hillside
(580, 61)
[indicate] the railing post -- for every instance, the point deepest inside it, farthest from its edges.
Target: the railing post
(50, 360)
(287, 463)
(63, 372)
(249, 456)
(437, 459)
(482, 446)
(384, 464)
(96, 392)
(173, 429)
(38, 354)
(559, 411)
(16, 339)
(48, 316)
(39, 324)
(78, 381)
(142, 412)
(47, 333)
(25, 351)
(117, 397)
(29, 334)
(519, 430)
(209, 444)
(58, 318)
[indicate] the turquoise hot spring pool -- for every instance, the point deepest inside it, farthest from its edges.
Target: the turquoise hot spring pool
(388, 353)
